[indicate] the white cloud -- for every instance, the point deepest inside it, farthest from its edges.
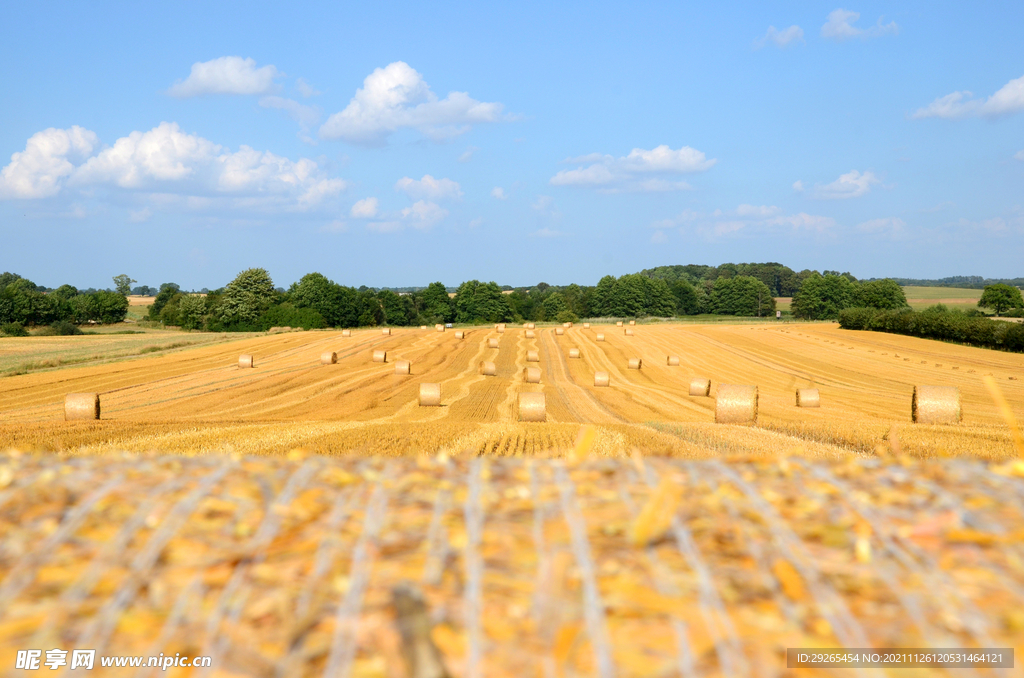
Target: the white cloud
(1019, 155)
(659, 237)
(306, 116)
(891, 225)
(1009, 99)
(803, 221)
(476, 222)
(798, 185)
(429, 187)
(364, 209)
(627, 173)
(757, 210)
(499, 193)
(745, 218)
(41, 169)
(226, 75)
(780, 38)
(164, 153)
(139, 216)
(467, 155)
(305, 89)
(853, 184)
(839, 26)
(397, 97)
(424, 214)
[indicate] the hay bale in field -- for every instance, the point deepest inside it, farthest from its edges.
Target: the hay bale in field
(586, 326)
(531, 375)
(567, 325)
(672, 361)
(532, 357)
(492, 343)
(601, 379)
(500, 327)
(559, 331)
(936, 405)
(530, 326)
(635, 363)
(79, 406)
(574, 353)
(346, 333)
(423, 327)
(459, 334)
(328, 358)
(618, 324)
(530, 334)
(808, 397)
(380, 356)
(430, 395)
(245, 361)
(735, 404)
(532, 407)
(488, 369)
(403, 367)
(439, 327)
(600, 337)
(632, 322)
(699, 386)
(386, 331)
(628, 332)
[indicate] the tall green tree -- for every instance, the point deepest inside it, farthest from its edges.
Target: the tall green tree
(1000, 298)
(191, 311)
(822, 297)
(247, 297)
(884, 294)
(742, 295)
(436, 304)
(123, 284)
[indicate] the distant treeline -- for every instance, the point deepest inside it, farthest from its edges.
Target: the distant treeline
(938, 322)
(975, 282)
(22, 302)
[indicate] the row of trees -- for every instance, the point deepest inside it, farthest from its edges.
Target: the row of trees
(23, 302)
(938, 322)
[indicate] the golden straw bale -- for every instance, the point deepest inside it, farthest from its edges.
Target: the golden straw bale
(618, 324)
(500, 328)
(488, 369)
(586, 326)
(530, 334)
(439, 327)
(574, 353)
(808, 397)
(532, 357)
(735, 404)
(459, 334)
(600, 337)
(403, 367)
(423, 327)
(559, 331)
(672, 361)
(531, 326)
(632, 322)
(328, 358)
(386, 330)
(430, 395)
(567, 325)
(346, 333)
(492, 342)
(936, 405)
(601, 379)
(531, 375)
(81, 406)
(700, 386)
(628, 332)
(380, 356)
(635, 363)
(532, 407)
(245, 361)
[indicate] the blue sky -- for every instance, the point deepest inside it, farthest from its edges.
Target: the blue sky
(393, 144)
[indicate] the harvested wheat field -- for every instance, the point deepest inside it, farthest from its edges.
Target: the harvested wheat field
(324, 566)
(197, 399)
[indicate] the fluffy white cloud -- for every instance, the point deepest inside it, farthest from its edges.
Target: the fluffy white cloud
(364, 209)
(628, 173)
(798, 185)
(1019, 155)
(305, 89)
(397, 97)
(745, 218)
(499, 193)
(853, 184)
(172, 167)
(1009, 99)
(429, 187)
(803, 221)
(780, 38)
(226, 75)
(839, 26)
(423, 214)
(41, 169)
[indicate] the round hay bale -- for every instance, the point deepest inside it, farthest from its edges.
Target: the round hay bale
(532, 407)
(632, 322)
(628, 332)
(530, 334)
(439, 327)
(936, 405)
(403, 367)
(532, 357)
(567, 325)
(488, 369)
(618, 324)
(559, 331)
(492, 343)
(635, 363)
(500, 328)
(531, 326)
(736, 404)
(601, 379)
(430, 395)
(81, 406)
(574, 353)
(245, 361)
(386, 331)
(600, 337)
(380, 356)
(328, 358)
(531, 375)
(460, 334)
(808, 397)
(423, 327)
(672, 361)
(700, 386)
(346, 333)
(586, 326)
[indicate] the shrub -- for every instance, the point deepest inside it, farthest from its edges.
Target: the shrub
(937, 323)
(13, 330)
(64, 328)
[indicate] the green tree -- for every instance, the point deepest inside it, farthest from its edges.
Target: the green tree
(166, 293)
(1000, 298)
(436, 304)
(823, 297)
(685, 296)
(191, 311)
(742, 295)
(123, 284)
(111, 307)
(554, 304)
(395, 312)
(335, 303)
(602, 301)
(884, 294)
(247, 297)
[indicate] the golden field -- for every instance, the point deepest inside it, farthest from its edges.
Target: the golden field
(196, 399)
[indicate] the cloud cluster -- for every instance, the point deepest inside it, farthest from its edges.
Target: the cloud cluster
(423, 214)
(780, 38)
(226, 75)
(164, 161)
(641, 170)
(853, 184)
(429, 187)
(1009, 99)
(839, 26)
(745, 218)
(397, 97)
